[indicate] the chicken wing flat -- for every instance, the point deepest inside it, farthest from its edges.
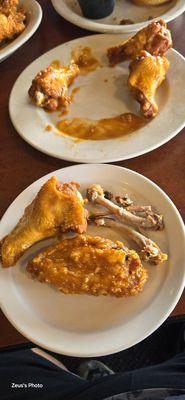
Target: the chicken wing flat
(155, 39)
(56, 208)
(146, 75)
(49, 89)
(90, 265)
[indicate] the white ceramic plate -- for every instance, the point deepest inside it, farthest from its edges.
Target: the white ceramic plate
(94, 326)
(70, 10)
(99, 99)
(34, 16)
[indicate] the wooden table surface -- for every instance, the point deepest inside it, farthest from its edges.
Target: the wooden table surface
(21, 164)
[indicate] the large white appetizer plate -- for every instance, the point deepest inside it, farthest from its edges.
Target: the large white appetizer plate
(103, 94)
(88, 326)
(33, 19)
(124, 9)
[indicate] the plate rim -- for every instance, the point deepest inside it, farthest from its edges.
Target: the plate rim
(92, 25)
(80, 159)
(24, 36)
(148, 331)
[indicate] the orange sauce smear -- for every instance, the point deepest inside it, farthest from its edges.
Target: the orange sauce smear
(56, 64)
(107, 128)
(48, 128)
(74, 92)
(82, 56)
(65, 110)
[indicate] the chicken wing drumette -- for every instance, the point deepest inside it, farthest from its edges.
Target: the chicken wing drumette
(90, 265)
(49, 89)
(56, 208)
(146, 74)
(155, 39)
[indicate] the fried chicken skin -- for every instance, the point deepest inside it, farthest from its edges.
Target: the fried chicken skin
(49, 89)
(12, 20)
(56, 208)
(11, 26)
(155, 39)
(90, 265)
(8, 6)
(146, 75)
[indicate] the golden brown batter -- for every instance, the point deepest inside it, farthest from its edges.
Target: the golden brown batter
(49, 88)
(82, 56)
(90, 265)
(12, 20)
(155, 39)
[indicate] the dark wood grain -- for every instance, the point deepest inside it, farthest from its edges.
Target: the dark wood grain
(21, 164)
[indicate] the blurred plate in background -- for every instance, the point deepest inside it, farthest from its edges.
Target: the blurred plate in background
(124, 9)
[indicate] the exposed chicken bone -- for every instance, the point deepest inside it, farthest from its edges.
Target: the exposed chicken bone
(149, 250)
(95, 194)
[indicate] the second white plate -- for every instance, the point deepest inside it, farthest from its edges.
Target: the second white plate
(70, 10)
(103, 93)
(88, 326)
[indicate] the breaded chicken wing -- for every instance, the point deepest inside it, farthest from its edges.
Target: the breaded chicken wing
(155, 39)
(11, 25)
(49, 89)
(90, 265)
(56, 208)
(146, 75)
(8, 6)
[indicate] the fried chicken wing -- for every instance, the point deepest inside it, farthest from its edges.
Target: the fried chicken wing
(12, 20)
(155, 39)
(8, 6)
(56, 208)
(146, 75)
(11, 25)
(49, 89)
(90, 265)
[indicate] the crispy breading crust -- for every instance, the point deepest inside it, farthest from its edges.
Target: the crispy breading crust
(154, 38)
(12, 20)
(90, 265)
(49, 89)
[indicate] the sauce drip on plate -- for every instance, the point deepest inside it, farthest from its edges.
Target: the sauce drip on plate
(65, 110)
(73, 93)
(107, 128)
(48, 128)
(82, 56)
(56, 64)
